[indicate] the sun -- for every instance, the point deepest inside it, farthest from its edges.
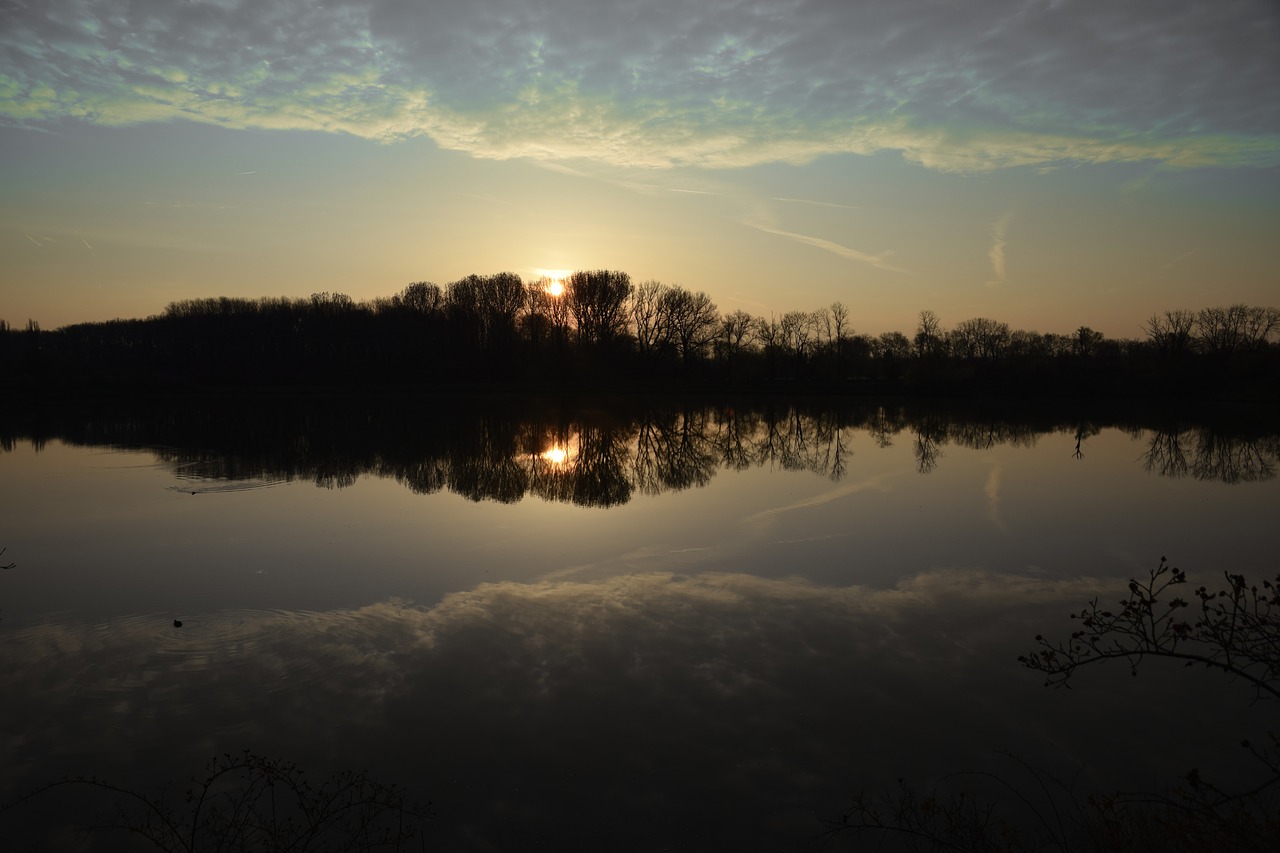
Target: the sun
(555, 280)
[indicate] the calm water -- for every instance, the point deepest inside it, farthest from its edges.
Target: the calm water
(599, 627)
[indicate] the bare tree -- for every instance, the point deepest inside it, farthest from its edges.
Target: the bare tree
(647, 317)
(597, 300)
(1239, 327)
(979, 338)
(421, 296)
(1085, 342)
(930, 339)
(798, 329)
(893, 346)
(693, 320)
(737, 333)
(1171, 332)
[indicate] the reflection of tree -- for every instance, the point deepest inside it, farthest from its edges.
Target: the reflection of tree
(884, 424)
(731, 437)
(494, 450)
(1083, 430)
(832, 456)
(930, 435)
(1165, 455)
(794, 449)
(1233, 460)
(595, 475)
(1209, 455)
(425, 477)
(987, 433)
(796, 440)
(488, 468)
(674, 452)
(599, 477)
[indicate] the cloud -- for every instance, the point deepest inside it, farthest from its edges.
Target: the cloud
(996, 252)
(816, 203)
(662, 84)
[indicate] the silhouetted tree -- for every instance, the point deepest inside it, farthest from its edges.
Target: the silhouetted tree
(737, 336)
(1086, 342)
(1234, 630)
(1223, 331)
(1171, 333)
(979, 338)
(693, 321)
(838, 331)
(597, 300)
(798, 329)
(648, 319)
(422, 297)
(930, 339)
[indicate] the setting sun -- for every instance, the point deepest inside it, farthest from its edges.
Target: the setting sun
(555, 280)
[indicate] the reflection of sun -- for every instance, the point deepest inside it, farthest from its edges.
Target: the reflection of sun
(555, 455)
(555, 280)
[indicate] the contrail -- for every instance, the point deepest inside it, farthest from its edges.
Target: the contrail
(818, 203)
(996, 254)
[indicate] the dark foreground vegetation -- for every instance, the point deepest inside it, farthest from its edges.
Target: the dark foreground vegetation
(602, 329)
(246, 802)
(1233, 629)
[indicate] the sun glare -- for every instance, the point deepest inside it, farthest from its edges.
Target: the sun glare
(557, 450)
(555, 280)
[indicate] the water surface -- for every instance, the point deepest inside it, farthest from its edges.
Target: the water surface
(627, 627)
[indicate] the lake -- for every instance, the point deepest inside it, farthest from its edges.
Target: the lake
(624, 624)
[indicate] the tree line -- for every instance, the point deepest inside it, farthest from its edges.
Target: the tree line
(598, 326)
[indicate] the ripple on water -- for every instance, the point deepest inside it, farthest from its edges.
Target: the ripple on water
(202, 486)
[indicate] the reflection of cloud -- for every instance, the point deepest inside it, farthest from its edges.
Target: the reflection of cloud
(992, 491)
(684, 696)
(730, 85)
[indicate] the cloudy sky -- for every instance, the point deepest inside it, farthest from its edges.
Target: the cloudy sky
(1050, 164)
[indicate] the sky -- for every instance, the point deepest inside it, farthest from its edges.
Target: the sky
(1050, 164)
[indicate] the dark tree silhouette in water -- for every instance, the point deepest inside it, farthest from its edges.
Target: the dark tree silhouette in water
(250, 802)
